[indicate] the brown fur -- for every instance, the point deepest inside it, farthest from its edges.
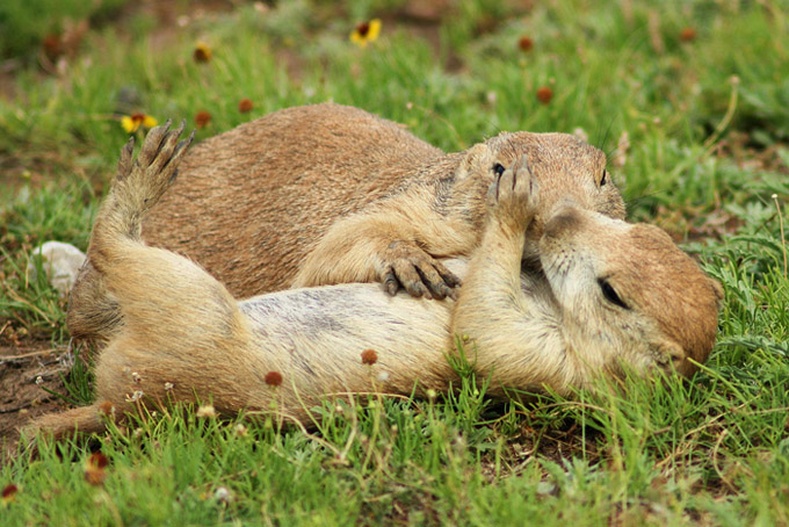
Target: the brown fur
(329, 194)
(185, 338)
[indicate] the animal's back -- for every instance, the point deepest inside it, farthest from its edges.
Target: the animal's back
(251, 203)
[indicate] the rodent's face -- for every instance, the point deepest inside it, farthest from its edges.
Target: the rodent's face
(629, 292)
(569, 171)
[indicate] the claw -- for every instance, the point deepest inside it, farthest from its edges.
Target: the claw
(391, 283)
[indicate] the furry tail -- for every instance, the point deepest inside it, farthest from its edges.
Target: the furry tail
(86, 419)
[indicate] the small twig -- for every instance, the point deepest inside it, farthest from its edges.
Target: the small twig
(28, 355)
(709, 144)
(781, 226)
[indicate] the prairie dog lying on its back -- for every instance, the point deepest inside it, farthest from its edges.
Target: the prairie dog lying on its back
(186, 338)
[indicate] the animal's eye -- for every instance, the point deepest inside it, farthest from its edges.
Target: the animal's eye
(498, 169)
(610, 293)
(604, 179)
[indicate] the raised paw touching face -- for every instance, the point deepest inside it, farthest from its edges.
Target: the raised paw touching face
(513, 196)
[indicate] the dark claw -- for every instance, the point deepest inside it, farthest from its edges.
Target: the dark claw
(418, 290)
(391, 283)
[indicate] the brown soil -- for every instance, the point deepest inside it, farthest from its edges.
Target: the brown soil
(30, 376)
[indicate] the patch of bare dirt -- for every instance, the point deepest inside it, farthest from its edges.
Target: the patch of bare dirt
(30, 376)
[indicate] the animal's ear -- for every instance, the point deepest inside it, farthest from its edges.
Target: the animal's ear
(474, 161)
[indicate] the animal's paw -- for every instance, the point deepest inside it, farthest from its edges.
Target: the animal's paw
(404, 265)
(142, 181)
(513, 196)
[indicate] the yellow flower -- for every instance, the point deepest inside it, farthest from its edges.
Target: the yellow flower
(202, 53)
(366, 32)
(131, 123)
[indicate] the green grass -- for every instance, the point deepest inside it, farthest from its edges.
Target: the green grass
(706, 156)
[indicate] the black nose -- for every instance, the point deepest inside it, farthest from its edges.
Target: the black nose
(563, 220)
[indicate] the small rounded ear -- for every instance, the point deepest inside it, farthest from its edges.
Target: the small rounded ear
(474, 162)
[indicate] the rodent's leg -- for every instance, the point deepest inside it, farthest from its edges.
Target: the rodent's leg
(515, 334)
(378, 246)
(138, 185)
(163, 297)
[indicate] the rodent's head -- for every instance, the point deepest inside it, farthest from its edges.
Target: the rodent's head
(570, 172)
(628, 295)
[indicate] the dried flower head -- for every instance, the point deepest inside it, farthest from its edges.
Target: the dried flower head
(245, 106)
(94, 468)
(132, 123)
(525, 43)
(202, 53)
(206, 412)
(369, 357)
(544, 94)
(136, 396)
(366, 32)
(273, 378)
(202, 118)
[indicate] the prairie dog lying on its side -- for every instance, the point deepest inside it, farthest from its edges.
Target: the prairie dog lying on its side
(329, 194)
(185, 337)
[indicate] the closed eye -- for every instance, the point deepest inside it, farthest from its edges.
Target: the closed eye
(604, 179)
(610, 293)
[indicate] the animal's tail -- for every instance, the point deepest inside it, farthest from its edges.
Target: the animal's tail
(87, 419)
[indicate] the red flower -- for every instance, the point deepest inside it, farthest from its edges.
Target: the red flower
(369, 357)
(544, 94)
(245, 105)
(202, 118)
(688, 34)
(94, 468)
(273, 378)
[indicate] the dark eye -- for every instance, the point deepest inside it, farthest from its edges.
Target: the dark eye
(610, 293)
(498, 169)
(604, 179)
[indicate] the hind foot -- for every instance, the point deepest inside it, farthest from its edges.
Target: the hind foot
(140, 183)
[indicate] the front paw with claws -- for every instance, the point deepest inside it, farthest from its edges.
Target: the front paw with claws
(405, 265)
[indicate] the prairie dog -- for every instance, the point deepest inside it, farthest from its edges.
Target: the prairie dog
(330, 194)
(185, 337)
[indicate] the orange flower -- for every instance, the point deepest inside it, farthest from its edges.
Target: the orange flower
(544, 94)
(132, 123)
(202, 118)
(687, 34)
(366, 32)
(273, 378)
(202, 53)
(245, 106)
(94, 468)
(369, 357)
(525, 43)
(9, 493)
